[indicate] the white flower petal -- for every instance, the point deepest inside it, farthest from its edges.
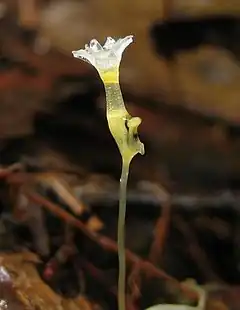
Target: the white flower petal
(84, 55)
(95, 45)
(122, 44)
(107, 57)
(109, 43)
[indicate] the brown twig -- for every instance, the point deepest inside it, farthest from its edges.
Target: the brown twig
(134, 282)
(107, 243)
(23, 177)
(160, 234)
(162, 225)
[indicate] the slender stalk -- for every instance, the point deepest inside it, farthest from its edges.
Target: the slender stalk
(121, 235)
(123, 127)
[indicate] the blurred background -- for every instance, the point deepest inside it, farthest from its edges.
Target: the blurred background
(182, 77)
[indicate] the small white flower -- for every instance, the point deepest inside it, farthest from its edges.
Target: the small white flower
(106, 57)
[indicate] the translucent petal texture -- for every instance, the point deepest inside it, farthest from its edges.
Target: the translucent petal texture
(106, 57)
(109, 43)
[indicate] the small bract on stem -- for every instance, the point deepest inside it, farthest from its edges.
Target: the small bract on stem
(123, 127)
